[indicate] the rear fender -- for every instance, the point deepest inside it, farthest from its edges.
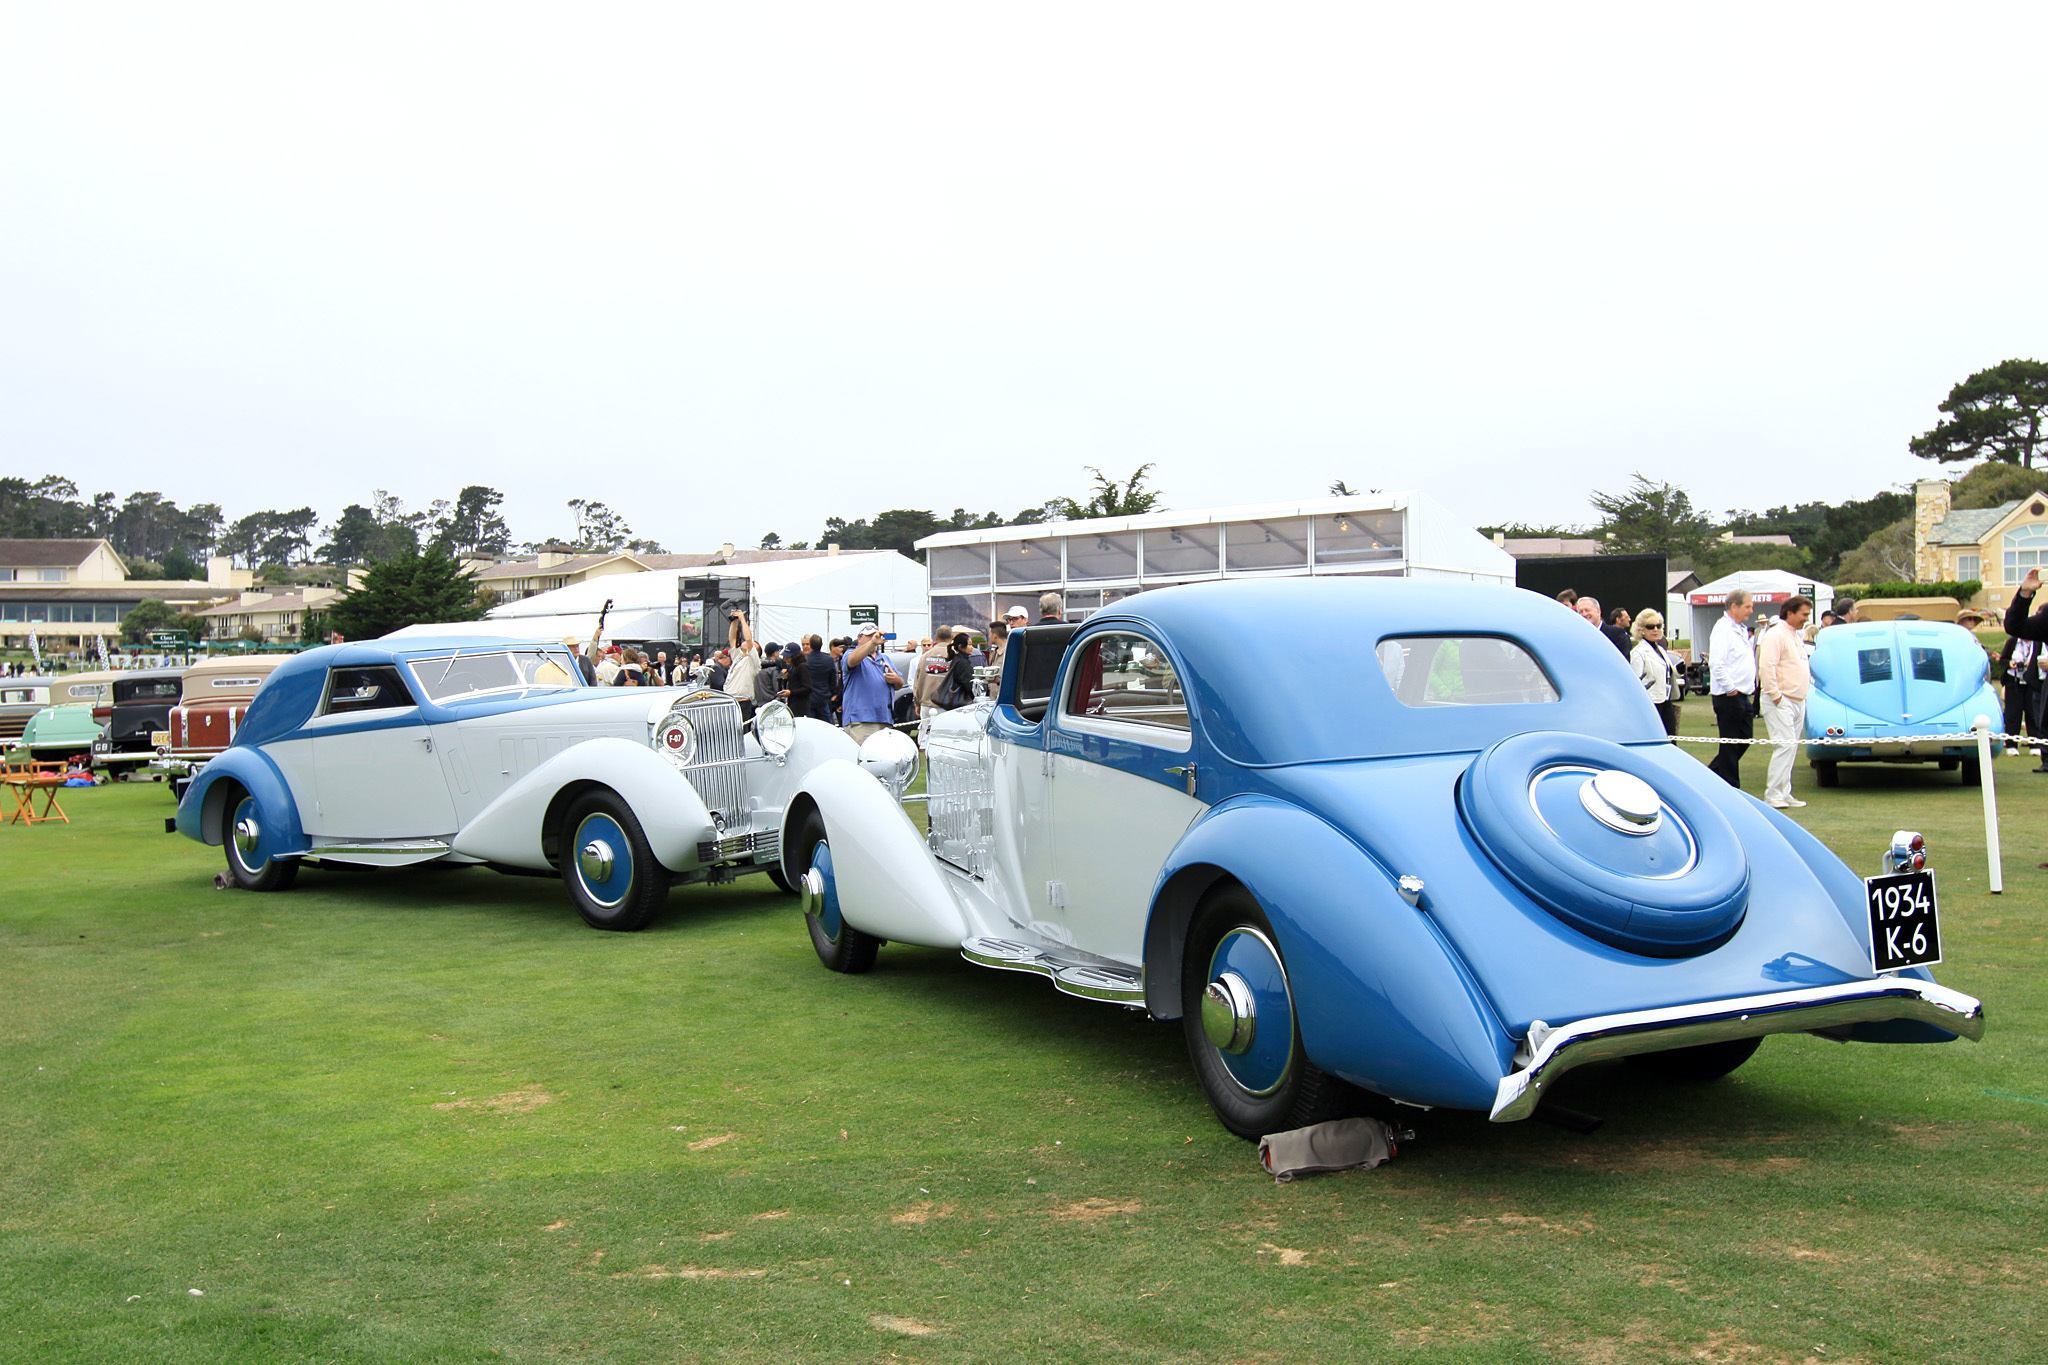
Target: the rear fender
(1382, 999)
(248, 769)
(889, 884)
(513, 829)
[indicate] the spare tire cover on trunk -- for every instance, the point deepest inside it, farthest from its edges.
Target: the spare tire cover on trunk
(1663, 876)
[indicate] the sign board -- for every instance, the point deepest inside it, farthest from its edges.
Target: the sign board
(870, 614)
(1716, 599)
(705, 605)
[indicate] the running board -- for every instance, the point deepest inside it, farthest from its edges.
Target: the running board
(1116, 984)
(381, 852)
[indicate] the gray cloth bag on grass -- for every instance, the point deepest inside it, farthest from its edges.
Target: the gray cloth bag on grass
(1340, 1145)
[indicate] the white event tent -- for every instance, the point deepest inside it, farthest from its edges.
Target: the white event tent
(1766, 587)
(792, 598)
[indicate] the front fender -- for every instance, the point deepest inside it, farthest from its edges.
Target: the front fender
(816, 742)
(199, 811)
(1382, 999)
(512, 829)
(889, 884)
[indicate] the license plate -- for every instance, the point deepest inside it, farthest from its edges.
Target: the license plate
(159, 739)
(1904, 928)
(100, 746)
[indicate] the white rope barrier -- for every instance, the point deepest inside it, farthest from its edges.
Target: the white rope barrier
(1981, 735)
(1867, 741)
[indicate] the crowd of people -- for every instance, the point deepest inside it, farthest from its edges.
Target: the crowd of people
(1750, 672)
(849, 681)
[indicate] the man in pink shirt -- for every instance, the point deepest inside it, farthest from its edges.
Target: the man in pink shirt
(1784, 678)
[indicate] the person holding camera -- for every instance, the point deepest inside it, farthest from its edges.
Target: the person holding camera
(745, 669)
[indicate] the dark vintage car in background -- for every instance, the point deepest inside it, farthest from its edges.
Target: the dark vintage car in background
(139, 707)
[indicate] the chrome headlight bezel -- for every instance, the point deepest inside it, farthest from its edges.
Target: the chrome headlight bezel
(891, 758)
(674, 737)
(775, 728)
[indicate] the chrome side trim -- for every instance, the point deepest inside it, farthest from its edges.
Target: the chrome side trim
(1089, 981)
(411, 848)
(1558, 1049)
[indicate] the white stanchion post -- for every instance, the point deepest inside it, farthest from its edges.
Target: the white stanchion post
(1982, 726)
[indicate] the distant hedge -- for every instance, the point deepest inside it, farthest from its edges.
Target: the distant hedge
(1962, 591)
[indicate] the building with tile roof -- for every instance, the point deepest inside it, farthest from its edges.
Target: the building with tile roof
(1996, 545)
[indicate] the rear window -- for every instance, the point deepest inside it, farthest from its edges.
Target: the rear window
(1928, 665)
(1874, 665)
(1463, 670)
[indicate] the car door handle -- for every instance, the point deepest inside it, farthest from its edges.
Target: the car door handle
(427, 741)
(1187, 771)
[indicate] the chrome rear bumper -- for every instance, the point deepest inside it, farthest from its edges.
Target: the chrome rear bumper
(1554, 1051)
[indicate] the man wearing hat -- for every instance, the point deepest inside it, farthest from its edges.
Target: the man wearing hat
(868, 680)
(583, 663)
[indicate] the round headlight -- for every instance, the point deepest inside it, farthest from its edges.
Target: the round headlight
(891, 756)
(775, 727)
(675, 739)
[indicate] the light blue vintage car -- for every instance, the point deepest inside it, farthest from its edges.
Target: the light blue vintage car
(1445, 855)
(1878, 682)
(492, 752)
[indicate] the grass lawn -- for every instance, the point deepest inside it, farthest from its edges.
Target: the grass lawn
(431, 1117)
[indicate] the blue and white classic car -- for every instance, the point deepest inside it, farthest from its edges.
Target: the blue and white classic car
(1881, 682)
(493, 752)
(1446, 873)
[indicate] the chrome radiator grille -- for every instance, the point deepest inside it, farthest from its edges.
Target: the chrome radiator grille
(961, 806)
(717, 772)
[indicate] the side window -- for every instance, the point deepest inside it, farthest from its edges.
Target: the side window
(1127, 678)
(368, 688)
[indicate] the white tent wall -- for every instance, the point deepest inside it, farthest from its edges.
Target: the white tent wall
(792, 598)
(1441, 545)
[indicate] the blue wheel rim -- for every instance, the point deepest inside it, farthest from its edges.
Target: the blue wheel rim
(611, 890)
(1262, 1067)
(829, 923)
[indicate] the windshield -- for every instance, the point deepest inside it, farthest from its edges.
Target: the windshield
(505, 670)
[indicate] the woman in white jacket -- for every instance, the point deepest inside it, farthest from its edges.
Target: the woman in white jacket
(1654, 667)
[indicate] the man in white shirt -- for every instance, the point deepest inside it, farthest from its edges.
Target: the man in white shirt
(1783, 677)
(1731, 659)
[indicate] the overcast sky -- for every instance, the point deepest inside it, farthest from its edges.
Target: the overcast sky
(738, 268)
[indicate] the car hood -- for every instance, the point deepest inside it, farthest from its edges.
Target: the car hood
(1532, 965)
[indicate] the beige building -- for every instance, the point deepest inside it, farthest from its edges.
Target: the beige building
(277, 617)
(65, 592)
(514, 579)
(1996, 545)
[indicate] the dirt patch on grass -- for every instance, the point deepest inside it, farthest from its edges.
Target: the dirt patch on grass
(687, 1272)
(771, 1215)
(1639, 1343)
(1529, 1222)
(1674, 1156)
(1285, 1255)
(556, 1226)
(1094, 1210)
(909, 1327)
(923, 1212)
(524, 1100)
(705, 1144)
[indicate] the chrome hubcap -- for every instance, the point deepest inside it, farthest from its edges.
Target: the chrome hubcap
(810, 890)
(1229, 1015)
(246, 835)
(596, 860)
